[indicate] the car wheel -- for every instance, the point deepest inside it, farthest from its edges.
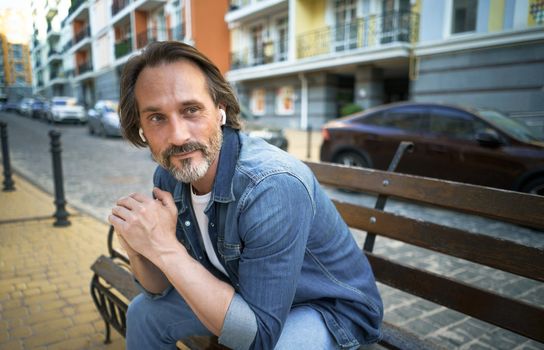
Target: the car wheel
(351, 159)
(535, 186)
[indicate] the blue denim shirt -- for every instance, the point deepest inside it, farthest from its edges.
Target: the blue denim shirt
(283, 244)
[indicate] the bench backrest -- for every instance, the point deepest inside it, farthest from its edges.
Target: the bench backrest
(512, 207)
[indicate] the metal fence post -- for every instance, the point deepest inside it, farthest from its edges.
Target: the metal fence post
(61, 214)
(8, 181)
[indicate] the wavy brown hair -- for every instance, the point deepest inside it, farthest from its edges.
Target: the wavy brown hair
(168, 52)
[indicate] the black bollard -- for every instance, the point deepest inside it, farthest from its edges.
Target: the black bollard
(309, 142)
(61, 214)
(8, 181)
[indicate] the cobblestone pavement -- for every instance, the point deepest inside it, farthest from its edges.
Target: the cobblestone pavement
(98, 171)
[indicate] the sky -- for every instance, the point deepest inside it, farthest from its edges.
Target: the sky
(22, 4)
(13, 26)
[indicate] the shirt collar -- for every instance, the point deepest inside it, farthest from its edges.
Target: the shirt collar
(228, 157)
(222, 188)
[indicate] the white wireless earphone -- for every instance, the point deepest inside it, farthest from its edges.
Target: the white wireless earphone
(223, 116)
(141, 132)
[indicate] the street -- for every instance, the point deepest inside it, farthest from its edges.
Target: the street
(97, 171)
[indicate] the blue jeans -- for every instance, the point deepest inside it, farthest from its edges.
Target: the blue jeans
(159, 323)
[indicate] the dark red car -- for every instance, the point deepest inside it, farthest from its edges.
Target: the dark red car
(477, 146)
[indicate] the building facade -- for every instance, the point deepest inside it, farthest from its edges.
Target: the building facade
(15, 65)
(95, 38)
(485, 53)
(301, 62)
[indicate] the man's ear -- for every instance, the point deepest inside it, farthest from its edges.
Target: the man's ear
(223, 116)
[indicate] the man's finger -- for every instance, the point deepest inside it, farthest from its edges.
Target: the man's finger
(121, 212)
(128, 202)
(142, 198)
(165, 197)
(116, 221)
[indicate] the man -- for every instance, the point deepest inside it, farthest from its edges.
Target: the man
(239, 240)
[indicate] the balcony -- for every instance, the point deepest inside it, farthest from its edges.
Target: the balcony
(118, 5)
(247, 10)
(270, 52)
(84, 67)
(56, 74)
(364, 32)
(146, 37)
(75, 5)
(53, 55)
(82, 34)
(123, 47)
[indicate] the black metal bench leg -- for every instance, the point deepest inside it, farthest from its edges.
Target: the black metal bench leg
(108, 333)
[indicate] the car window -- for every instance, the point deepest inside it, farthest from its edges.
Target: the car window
(510, 126)
(455, 124)
(409, 118)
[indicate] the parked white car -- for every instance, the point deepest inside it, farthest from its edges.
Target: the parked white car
(66, 109)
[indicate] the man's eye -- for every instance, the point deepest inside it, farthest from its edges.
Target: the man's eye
(192, 110)
(156, 117)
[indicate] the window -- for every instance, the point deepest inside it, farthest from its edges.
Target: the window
(282, 36)
(405, 118)
(285, 104)
(258, 102)
(346, 24)
(257, 42)
(455, 124)
(464, 16)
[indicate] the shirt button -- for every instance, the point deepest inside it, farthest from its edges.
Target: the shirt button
(187, 223)
(212, 224)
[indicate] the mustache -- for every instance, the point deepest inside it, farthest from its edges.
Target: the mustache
(188, 147)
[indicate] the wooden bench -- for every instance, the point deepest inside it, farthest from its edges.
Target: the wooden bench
(112, 286)
(518, 316)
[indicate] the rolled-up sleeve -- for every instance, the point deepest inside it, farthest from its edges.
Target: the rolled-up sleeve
(240, 325)
(148, 294)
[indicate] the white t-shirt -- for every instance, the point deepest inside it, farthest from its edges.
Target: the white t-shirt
(199, 204)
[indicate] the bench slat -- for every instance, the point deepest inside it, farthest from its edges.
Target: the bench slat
(116, 276)
(522, 260)
(472, 301)
(519, 208)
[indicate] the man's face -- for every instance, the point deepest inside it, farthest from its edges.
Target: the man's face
(179, 119)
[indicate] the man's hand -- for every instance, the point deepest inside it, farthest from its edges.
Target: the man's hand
(145, 225)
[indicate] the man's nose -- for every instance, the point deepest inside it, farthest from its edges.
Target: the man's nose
(179, 131)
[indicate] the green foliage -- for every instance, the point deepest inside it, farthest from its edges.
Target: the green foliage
(350, 108)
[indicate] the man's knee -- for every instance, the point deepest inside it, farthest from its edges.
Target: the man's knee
(139, 308)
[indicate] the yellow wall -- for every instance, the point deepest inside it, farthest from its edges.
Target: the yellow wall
(496, 15)
(530, 18)
(310, 15)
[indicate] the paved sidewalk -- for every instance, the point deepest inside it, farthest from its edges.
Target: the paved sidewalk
(45, 270)
(45, 275)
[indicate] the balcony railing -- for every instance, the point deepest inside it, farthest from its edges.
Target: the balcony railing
(52, 53)
(82, 34)
(148, 36)
(177, 33)
(273, 51)
(123, 47)
(118, 5)
(364, 32)
(75, 5)
(84, 67)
